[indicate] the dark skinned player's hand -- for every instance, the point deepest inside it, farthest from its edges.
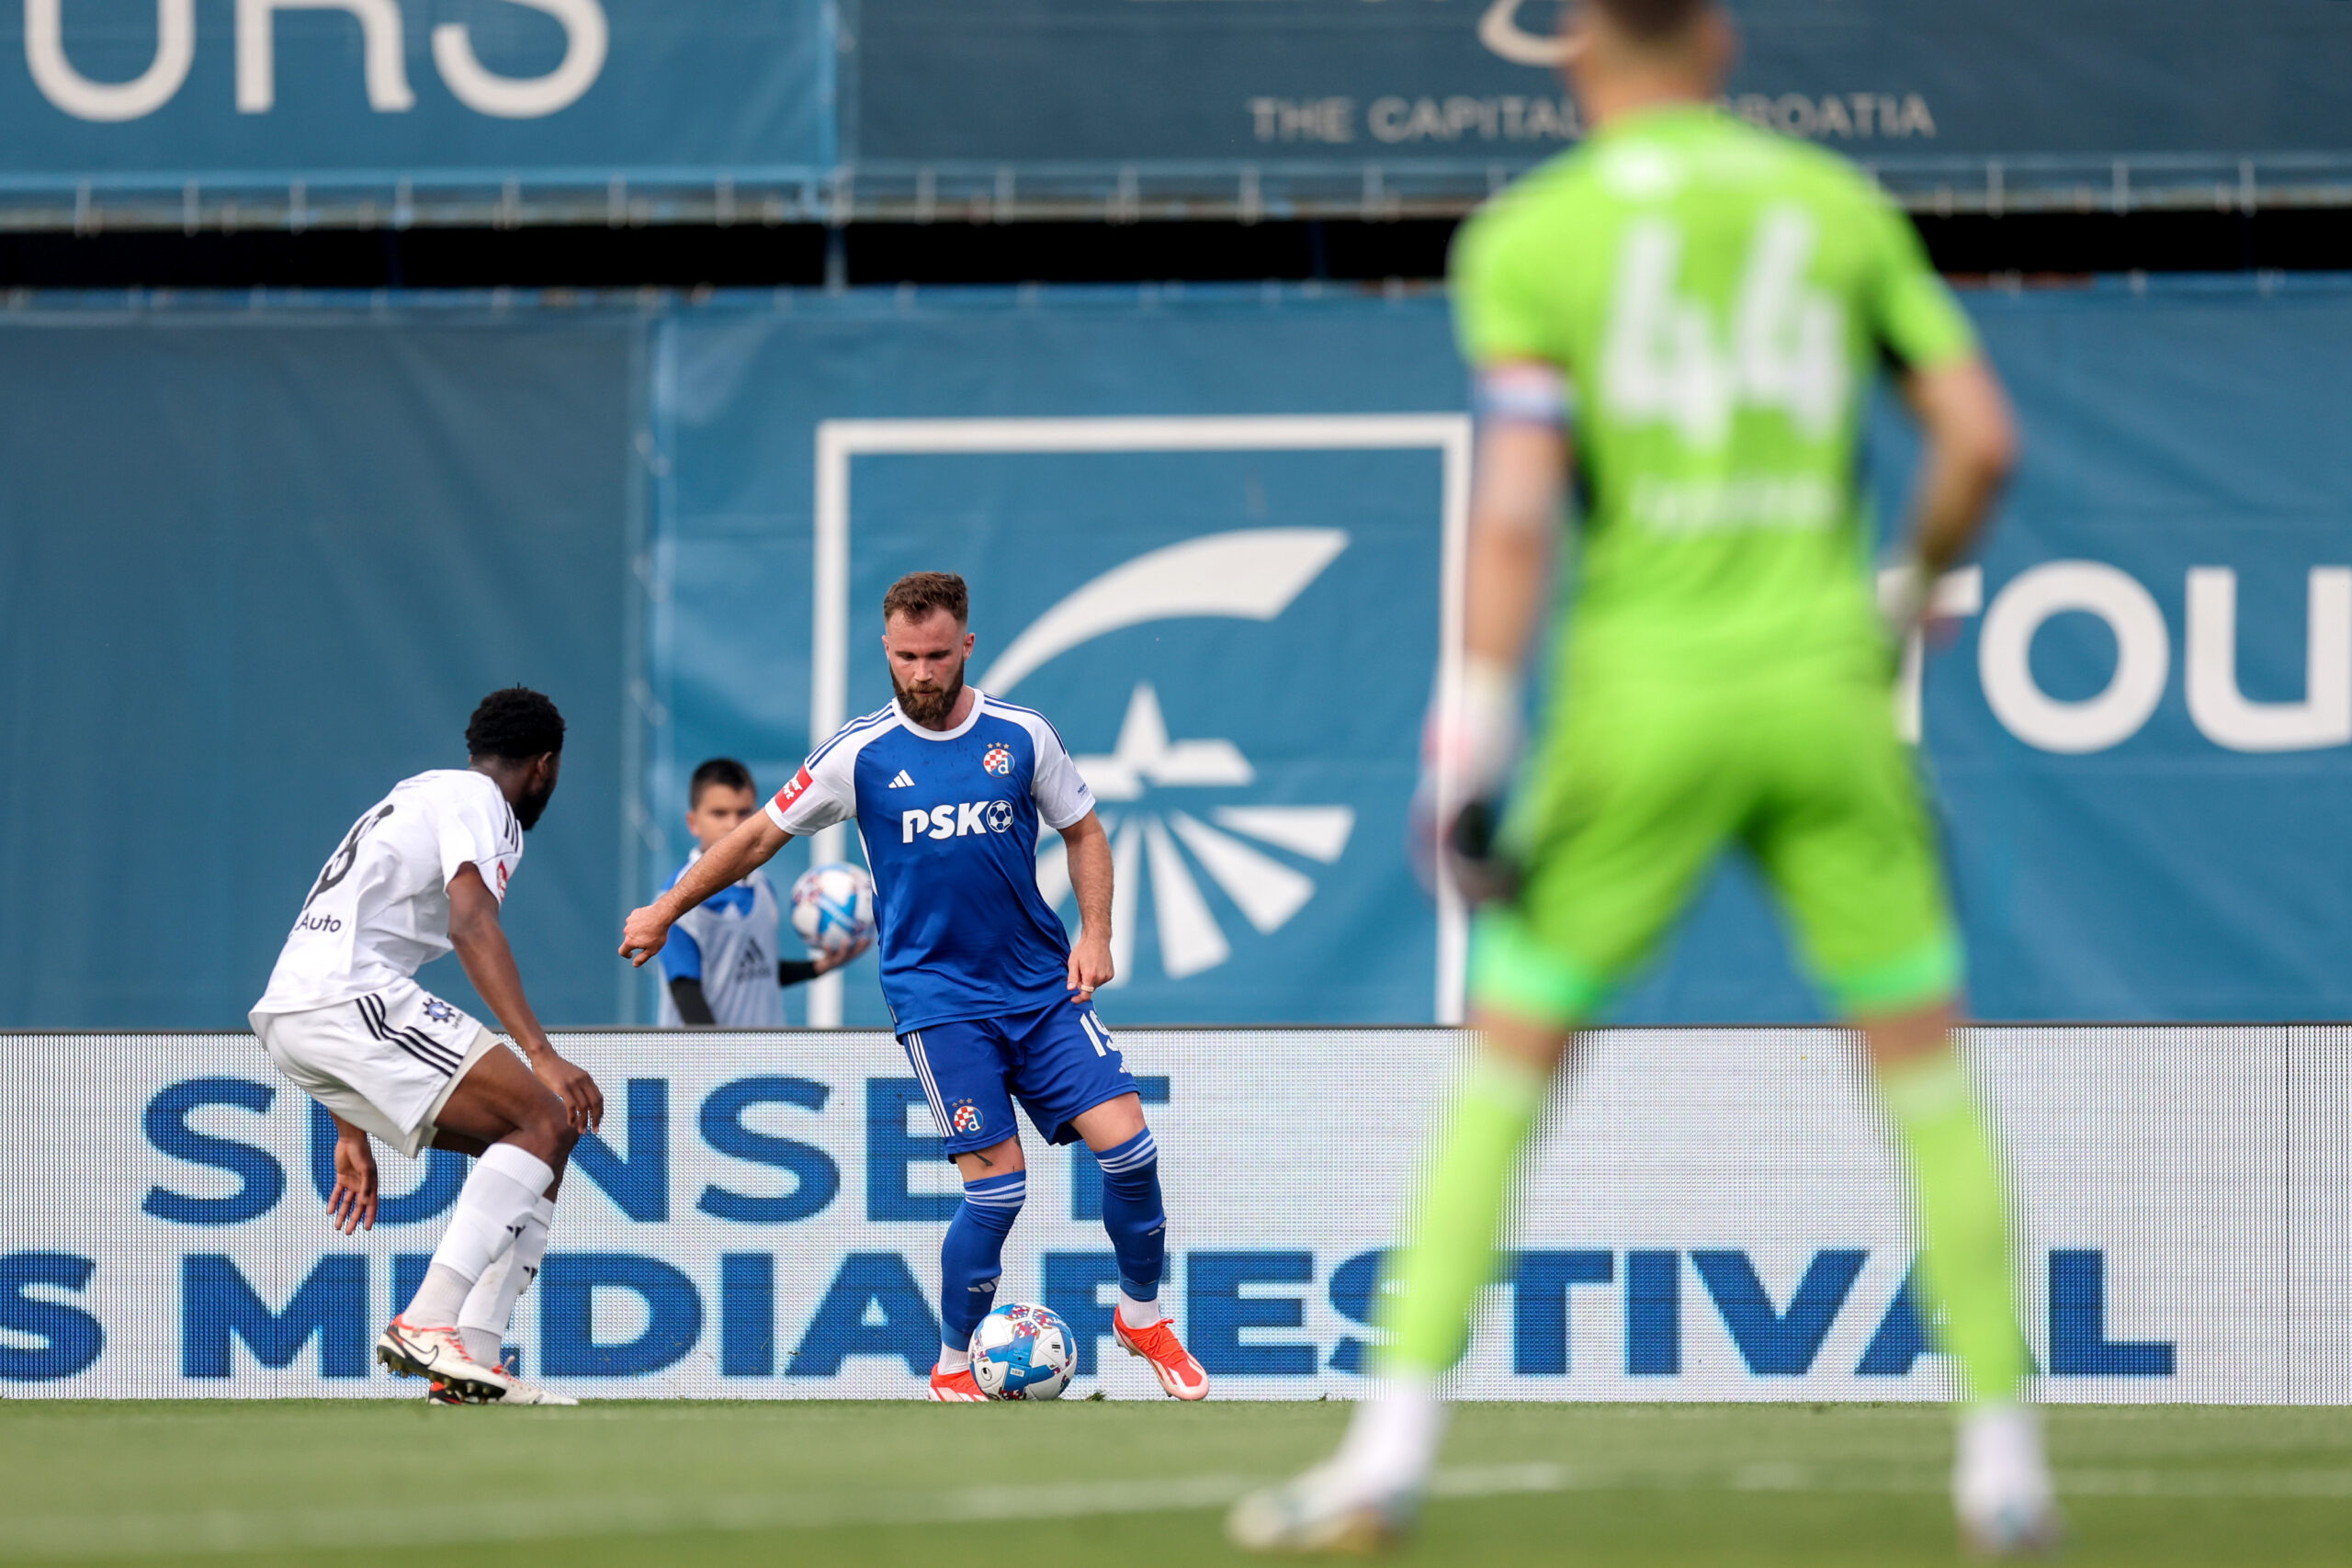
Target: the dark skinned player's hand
(583, 1102)
(351, 1207)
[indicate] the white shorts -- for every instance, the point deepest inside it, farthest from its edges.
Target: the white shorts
(386, 1061)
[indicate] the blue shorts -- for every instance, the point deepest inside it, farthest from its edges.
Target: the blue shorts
(1058, 1061)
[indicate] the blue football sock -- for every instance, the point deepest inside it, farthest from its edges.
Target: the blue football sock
(1133, 1215)
(973, 1255)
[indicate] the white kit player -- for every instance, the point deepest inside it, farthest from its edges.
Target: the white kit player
(423, 871)
(993, 1002)
(721, 964)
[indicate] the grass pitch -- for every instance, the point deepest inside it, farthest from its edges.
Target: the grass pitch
(1133, 1484)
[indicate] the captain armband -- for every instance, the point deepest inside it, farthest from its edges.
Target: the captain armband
(1523, 393)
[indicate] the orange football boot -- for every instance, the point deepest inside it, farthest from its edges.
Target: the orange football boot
(1182, 1376)
(956, 1388)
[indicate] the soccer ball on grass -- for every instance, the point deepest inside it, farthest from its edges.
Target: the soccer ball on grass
(832, 908)
(1023, 1352)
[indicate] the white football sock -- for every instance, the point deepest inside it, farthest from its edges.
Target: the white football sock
(436, 1300)
(484, 1345)
(951, 1359)
(1392, 1443)
(493, 1207)
(1138, 1313)
(1998, 1459)
(489, 1305)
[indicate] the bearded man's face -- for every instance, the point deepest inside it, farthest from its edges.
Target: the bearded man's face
(927, 658)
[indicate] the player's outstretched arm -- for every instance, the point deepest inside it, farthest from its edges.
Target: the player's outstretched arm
(1971, 445)
(752, 844)
(1090, 877)
(481, 947)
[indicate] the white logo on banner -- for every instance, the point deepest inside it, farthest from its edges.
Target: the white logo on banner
(1500, 31)
(383, 59)
(1253, 574)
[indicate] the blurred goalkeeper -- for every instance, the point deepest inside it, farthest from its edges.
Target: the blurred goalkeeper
(1703, 304)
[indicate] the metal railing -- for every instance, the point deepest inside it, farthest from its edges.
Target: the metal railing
(979, 192)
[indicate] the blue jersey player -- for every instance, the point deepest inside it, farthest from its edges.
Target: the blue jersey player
(992, 1002)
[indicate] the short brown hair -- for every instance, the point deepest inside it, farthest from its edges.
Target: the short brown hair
(1651, 21)
(918, 593)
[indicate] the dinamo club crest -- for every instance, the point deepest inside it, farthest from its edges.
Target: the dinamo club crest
(965, 1116)
(997, 760)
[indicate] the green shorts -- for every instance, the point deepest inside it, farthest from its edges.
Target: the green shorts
(1646, 779)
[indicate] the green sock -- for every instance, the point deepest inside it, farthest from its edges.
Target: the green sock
(1452, 1256)
(1958, 1187)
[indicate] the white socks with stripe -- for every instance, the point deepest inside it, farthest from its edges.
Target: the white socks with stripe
(493, 1209)
(482, 1322)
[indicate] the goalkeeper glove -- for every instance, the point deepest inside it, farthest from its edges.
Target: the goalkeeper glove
(1467, 751)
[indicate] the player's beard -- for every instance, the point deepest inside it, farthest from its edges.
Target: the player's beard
(534, 802)
(930, 705)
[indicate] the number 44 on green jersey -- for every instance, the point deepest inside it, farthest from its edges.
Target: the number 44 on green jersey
(1718, 300)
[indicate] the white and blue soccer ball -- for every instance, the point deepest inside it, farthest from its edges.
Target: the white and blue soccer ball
(1023, 1352)
(832, 908)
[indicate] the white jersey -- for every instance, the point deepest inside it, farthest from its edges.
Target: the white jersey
(380, 910)
(728, 942)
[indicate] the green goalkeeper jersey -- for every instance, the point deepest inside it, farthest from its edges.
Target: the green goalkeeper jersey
(1719, 299)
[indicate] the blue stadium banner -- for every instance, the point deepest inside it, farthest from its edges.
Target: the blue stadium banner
(1204, 535)
(262, 93)
(760, 1218)
(708, 110)
(1221, 582)
(1436, 93)
(255, 567)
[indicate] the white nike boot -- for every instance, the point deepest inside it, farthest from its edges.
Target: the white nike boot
(412, 1350)
(520, 1393)
(517, 1392)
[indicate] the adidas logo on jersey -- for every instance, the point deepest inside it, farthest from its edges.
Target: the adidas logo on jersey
(901, 782)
